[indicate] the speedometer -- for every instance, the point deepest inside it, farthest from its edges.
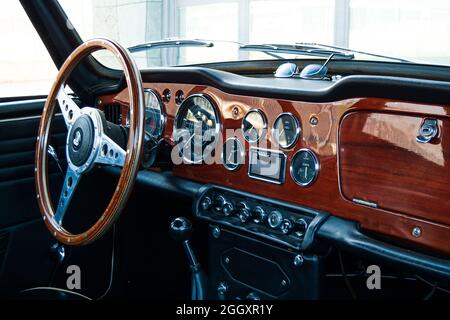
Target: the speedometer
(196, 128)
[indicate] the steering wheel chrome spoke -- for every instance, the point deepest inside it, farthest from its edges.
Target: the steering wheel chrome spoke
(68, 107)
(68, 189)
(110, 153)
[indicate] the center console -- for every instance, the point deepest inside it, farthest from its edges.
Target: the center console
(259, 248)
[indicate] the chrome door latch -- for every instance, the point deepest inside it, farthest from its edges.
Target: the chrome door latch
(428, 131)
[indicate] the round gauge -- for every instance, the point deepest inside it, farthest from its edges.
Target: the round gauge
(154, 114)
(233, 154)
(196, 128)
(286, 130)
(254, 125)
(304, 167)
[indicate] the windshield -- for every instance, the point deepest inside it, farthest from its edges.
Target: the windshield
(411, 30)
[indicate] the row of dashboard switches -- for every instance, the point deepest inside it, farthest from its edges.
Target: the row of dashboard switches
(246, 213)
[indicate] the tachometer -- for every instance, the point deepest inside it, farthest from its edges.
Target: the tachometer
(154, 114)
(196, 128)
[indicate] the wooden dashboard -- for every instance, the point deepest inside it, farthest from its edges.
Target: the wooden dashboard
(372, 169)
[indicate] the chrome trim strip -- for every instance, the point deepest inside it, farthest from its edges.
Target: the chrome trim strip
(25, 118)
(365, 203)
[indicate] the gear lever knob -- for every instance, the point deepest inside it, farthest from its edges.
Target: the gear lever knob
(180, 229)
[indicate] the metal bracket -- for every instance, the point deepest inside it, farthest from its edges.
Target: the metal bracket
(428, 131)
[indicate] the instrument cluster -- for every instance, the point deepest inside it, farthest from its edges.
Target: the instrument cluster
(197, 128)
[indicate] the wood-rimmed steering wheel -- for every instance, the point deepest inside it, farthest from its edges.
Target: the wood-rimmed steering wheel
(87, 145)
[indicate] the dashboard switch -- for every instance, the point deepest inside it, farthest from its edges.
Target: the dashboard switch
(244, 213)
(300, 227)
(219, 203)
(274, 219)
(259, 215)
(206, 203)
(286, 226)
(228, 209)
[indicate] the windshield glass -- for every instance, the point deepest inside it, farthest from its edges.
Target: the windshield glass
(412, 30)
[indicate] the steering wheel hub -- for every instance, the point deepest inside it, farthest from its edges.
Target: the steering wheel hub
(81, 140)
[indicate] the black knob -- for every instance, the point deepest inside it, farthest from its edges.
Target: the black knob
(259, 215)
(206, 203)
(219, 202)
(286, 226)
(300, 227)
(274, 219)
(227, 209)
(180, 229)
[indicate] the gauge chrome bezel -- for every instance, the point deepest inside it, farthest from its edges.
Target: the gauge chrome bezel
(316, 167)
(216, 128)
(242, 152)
(263, 116)
(162, 115)
(297, 130)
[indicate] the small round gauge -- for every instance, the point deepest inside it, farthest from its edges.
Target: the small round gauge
(154, 114)
(196, 128)
(254, 125)
(286, 130)
(233, 154)
(304, 167)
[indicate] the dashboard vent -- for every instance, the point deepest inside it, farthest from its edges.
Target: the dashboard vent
(113, 113)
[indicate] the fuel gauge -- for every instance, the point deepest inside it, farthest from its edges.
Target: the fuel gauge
(233, 154)
(304, 167)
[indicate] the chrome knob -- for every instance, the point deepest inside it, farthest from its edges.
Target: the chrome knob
(206, 203)
(274, 219)
(228, 209)
(244, 212)
(286, 226)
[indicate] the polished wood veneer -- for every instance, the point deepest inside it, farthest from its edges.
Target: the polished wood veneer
(325, 194)
(381, 162)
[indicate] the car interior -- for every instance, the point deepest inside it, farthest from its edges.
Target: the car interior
(317, 178)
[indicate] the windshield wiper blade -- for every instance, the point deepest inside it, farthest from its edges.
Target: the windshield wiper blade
(325, 46)
(170, 43)
(297, 49)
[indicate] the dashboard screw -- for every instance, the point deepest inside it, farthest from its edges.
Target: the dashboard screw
(416, 232)
(283, 283)
(216, 232)
(227, 260)
(235, 112)
(313, 121)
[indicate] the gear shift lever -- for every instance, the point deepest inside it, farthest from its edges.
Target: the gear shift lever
(180, 230)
